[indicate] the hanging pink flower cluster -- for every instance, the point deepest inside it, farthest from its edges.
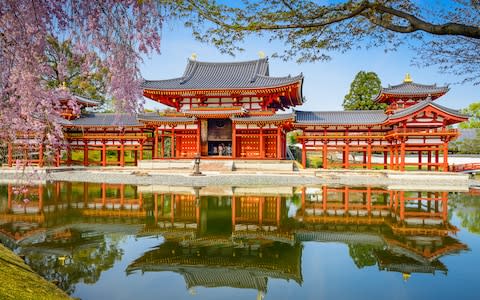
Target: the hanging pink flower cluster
(116, 31)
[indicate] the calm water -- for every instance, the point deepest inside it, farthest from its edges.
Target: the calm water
(135, 242)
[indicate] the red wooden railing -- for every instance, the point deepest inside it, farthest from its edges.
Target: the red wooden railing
(465, 167)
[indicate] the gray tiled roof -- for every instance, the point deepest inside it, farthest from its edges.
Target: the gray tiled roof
(411, 88)
(164, 119)
(232, 111)
(359, 117)
(230, 75)
(268, 118)
(421, 105)
(106, 120)
(87, 101)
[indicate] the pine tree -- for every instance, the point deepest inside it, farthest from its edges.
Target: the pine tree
(363, 89)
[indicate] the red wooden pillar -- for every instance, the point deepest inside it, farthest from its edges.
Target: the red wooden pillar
(57, 158)
(304, 154)
(234, 140)
(445, 157)
(369, 155)
(85, 153)
(279, 143)
(199, 143)
(347, 155)
(104, 154)
(397, 158)
(420, 160)
(385, 159)
(40, 155)
(155, 143)
(429, 160)
(325, 154)
(392, 157)
(436, 160)
(262, 145)
(9, 155)
(402, 156)
(122, 154)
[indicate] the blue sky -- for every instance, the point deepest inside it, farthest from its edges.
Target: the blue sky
(325, 83)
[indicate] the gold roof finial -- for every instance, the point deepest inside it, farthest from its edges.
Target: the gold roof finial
(407, 79)
(193, 56)
(406, 276)
(261, 54)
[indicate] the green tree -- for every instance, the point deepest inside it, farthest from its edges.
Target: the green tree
(473, 111)
(363, 88)
(445, 34)
(82, 74)
(468, 146)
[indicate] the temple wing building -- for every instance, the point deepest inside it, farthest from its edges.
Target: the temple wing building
(411, 123)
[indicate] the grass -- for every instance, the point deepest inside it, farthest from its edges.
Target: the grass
(77, 155)
(18, 281)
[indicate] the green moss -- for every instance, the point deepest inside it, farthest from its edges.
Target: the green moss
(18, 281)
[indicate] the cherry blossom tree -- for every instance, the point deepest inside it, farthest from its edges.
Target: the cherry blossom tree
(115, 33)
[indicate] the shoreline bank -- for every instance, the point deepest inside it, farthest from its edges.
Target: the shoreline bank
(19, 281)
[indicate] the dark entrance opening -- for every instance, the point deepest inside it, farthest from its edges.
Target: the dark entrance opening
(219, 137)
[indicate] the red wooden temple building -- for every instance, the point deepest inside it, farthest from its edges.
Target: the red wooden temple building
(412, 123)
(231, 111)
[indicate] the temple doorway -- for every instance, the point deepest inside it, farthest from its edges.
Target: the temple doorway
(219, 137)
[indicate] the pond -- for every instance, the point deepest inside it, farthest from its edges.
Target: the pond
(102, 241)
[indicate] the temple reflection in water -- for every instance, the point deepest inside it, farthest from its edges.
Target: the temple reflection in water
(236, 237)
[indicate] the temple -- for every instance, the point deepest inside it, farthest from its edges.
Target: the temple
(231, 111)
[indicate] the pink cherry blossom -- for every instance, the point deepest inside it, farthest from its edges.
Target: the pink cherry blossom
(117, 31)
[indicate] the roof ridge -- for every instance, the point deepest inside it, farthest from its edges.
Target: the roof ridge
(255, 72)
(193, 69)
(281, 77)
(228, 62)
(355, 111)
(433, 85)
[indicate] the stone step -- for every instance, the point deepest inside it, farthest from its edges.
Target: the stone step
(219, 165)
